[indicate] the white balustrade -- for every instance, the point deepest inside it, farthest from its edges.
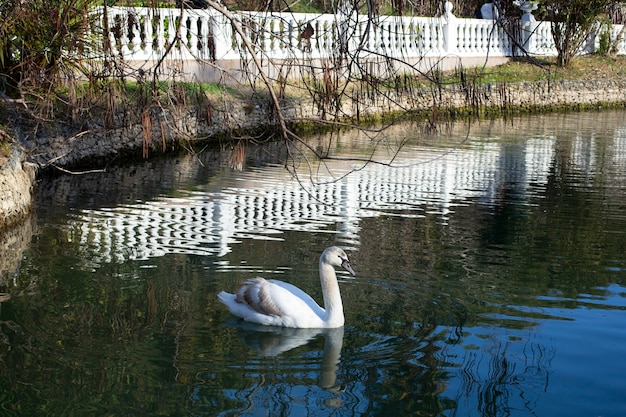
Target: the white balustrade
(139, 33)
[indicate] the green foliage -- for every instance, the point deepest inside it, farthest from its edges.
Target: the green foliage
(605, 44)
(572, 23)
(5, 148)
(43, 40)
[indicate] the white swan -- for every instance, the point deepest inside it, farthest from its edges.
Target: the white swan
(277, 303)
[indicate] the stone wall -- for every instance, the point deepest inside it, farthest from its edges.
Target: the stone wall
(16, 183)
(516, 97)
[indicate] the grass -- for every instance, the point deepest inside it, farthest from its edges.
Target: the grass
(5, 148)
(588, 67)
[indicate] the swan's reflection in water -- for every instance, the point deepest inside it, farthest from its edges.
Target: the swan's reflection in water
(270, 341)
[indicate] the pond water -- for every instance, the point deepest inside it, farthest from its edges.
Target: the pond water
(490, 261)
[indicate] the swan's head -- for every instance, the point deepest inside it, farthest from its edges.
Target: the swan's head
(335, 256)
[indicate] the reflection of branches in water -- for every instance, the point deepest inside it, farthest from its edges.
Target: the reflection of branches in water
(315, 161)
(401, 374)
(497, 393)
(238, 156)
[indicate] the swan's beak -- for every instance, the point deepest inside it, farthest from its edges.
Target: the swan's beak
(346, 265)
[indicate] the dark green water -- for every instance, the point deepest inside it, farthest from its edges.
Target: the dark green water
(491, 279)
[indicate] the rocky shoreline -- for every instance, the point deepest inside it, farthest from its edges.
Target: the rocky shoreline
(168, 127)
(17, 178)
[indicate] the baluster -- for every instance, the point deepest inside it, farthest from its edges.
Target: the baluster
(382, 38)
(414, 38)
(467, 36)
(409, 39)
(486, 38)
(374, 33)
(461, 38)
(191, 38)
(200, 40)
(362, 36)
(318, 48)
(273, 44)
(408, 36)
(473, 46)
(400, 36)
(113, 40)
(425, 37)
(180, 27)
(131, 24)
(122, 34)
(149, 39)
(349, 37)
(291, 36)
(158, 24)
(493, 39)
(280, 37)
(185, 35)
(201, 34)
(433, 39)
(283, 37)
(163, 33)
(270, 39)
(332, 39)
(236, 46)
(171, 29)
(259, 26)
(141, 29)
(391, 41)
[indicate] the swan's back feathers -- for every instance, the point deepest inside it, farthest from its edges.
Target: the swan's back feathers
(256, 294)
(245, 312)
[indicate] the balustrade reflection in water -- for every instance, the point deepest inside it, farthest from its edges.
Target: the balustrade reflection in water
(491, 278)
(264, 204)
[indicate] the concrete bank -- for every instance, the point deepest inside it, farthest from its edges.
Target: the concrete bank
(156, 130)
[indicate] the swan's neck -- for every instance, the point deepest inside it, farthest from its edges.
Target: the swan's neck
(332, 297)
